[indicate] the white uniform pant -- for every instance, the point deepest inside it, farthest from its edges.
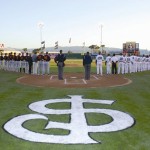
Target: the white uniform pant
(108, 68)
(1, 64)
(99, 68)
(5, 65)
(128, 68)
(133, 67)
(139, 66)
(46, 69)
(18, 66)
(40, 67)
(148, 65)
(35, 66)
(121, 67)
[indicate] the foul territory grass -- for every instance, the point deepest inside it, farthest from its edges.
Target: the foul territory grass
(133, 99)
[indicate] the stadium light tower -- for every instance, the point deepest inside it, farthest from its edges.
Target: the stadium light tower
(101, 37)
(41, 25)
(101, 26)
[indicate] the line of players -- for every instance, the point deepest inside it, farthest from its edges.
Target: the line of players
(40, 64)
(26, 63)
(122, 64)
(126, 64)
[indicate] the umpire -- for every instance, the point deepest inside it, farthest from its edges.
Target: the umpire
(59, 59)
(87, 60)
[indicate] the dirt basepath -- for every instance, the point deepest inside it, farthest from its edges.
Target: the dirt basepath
(74, 80)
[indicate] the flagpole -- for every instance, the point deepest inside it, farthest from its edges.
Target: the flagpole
(83, 48)
(69, 44)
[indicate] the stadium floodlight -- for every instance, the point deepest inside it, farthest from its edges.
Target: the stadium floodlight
(41, 25)
(101, 31)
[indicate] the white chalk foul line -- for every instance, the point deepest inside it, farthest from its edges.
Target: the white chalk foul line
(65, 81)
(84, 81)
(52, 77)
(95, 77)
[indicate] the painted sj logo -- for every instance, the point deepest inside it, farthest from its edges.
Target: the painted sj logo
(78, 126)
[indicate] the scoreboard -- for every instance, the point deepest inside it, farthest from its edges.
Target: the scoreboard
(131, 48)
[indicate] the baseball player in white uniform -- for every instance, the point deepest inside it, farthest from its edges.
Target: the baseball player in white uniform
(121, 64)
(128, 64)
(133, 57)
(108, 64)
(99, 63)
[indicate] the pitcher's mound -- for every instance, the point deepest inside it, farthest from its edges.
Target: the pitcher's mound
(74, 80)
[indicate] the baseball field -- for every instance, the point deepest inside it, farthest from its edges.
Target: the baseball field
(42, 118)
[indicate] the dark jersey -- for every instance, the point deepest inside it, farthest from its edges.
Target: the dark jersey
(40, 57)
(46, 58)
(11, 57)
(5, 57)
(17, 58)
(60, 58)
(22, 58)
(1, 57)
(87, 59)
(29, 59)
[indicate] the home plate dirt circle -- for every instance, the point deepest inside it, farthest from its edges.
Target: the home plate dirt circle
(73, 80)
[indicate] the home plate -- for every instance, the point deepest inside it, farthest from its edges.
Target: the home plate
(73, 77)
(75, 81)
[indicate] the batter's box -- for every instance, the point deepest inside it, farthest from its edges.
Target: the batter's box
(75, 81)
(95, 77)
(53, 77)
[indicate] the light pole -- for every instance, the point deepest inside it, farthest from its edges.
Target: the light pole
(40, 25)
(101, 42)
(101, 26)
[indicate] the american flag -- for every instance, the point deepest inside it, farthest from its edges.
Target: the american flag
(43, 42)
(56, 45)
(83, 44)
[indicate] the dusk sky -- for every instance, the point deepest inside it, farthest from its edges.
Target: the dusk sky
(79, 20)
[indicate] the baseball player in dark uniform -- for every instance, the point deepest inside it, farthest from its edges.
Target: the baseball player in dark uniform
(1, 61)
(46, 59)
(23, 63)
(6, 62)
(10, 61)
(18, 62)
(35, 65)
(59, 59)
(29, 60)
(15, 62)
(40, 64)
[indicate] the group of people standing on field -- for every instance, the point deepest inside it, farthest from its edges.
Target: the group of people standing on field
(36, 64)
(25, 63)
(40, 64)
(121, 64)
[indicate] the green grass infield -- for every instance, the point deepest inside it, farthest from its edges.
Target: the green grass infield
(133, 99)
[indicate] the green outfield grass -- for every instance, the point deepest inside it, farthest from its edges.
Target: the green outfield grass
(70, 66)
(133, 99)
